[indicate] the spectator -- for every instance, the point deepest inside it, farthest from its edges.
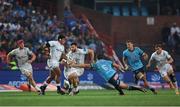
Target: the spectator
(174, 38)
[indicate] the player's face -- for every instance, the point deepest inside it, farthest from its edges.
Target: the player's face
(21, 45)
(130, 46)
(158, 49)
(73, 48)
(62, 41)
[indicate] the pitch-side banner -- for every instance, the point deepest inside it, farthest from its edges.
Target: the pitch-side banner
(89, 80)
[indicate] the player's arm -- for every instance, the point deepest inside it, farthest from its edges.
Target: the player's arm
(118, 67)
(9, 55)
(91, 53)
(170, 60)
(33, 58)
(8, 58)
(124, 59)
(145, 56)
(63, 58)
(150, 62)
(65, 61)
(81, 65)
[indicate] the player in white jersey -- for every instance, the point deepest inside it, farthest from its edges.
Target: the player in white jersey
(54, 50)
(163, 63)
(24, 63)
(76, 55)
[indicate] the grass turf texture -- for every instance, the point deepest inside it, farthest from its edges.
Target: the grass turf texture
(91, 98)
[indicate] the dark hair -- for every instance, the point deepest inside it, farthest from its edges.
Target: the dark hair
(61, 37)
(74, 43)
(129, 41)
(158, 45)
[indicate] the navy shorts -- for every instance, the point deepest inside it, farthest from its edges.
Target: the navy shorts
(115, 80)
(139, 73)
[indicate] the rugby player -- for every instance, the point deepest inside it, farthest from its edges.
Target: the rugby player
(22, 54)
(54, 50)
(132, 61)
(163, 62)
(76, 55)
(106, 69)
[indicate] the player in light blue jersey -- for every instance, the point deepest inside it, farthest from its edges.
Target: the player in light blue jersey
(132, 57)
(106, 69)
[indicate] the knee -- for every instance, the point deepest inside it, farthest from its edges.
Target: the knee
(173, 77)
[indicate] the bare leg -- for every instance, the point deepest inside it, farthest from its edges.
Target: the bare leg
(167, 79)
(74, 80)
(146, 84)
(48, 80)
(57, 75)
(31, 81)
(174, 81)
(172, 86)
(58, 82)
(131, 87)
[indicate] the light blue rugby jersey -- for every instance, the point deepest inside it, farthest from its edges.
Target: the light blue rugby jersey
(104, 68)
(134, 58)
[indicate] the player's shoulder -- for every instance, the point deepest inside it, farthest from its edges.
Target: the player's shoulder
(125, 51)
(154, 54)
(80, 50)
(137, 49)
(26, 48)
(165, 52)
(15, 50)
(104, 61)
(53, 42)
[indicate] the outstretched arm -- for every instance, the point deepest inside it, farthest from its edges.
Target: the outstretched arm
(118, 67)
(125, 63)
(149, 63)
(91, 53)
(81, 65)
(170, 60)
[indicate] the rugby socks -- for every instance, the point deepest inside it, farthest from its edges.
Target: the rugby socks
(120, 90)
(152, 89)
(176, 88)
(45, 85)
(76, 89)
(37, 88)
(173, 78)
(58, 86)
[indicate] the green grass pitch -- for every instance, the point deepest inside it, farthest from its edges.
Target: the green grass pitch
(91, 98)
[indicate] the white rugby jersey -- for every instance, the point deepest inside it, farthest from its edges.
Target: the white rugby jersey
(21, 55)
(161, 58)
(56, 50)
(78, 56)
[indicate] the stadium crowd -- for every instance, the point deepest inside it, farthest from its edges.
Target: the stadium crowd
(35, 26)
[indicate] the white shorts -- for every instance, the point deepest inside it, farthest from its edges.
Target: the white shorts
(69, 71)
(26, 68)
(165, 69)
(52, 64)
